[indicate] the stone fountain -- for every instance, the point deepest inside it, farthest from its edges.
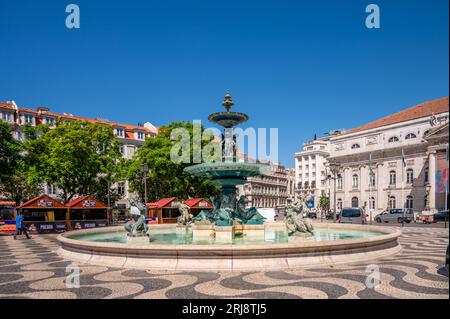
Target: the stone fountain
(229, 216)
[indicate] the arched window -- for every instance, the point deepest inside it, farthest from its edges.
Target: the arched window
(355, 146)
(355, 202)
(409, 202)
(409, 176)
(393, 139)
(339, 203)
(355, 181)
(392, 202)
(371, 179)
(372, 203)
(392, 178)
(339, 181)
(410, 136)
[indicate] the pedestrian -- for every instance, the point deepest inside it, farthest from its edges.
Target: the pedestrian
(20, 227)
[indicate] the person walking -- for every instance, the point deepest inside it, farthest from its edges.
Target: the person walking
(20, 227)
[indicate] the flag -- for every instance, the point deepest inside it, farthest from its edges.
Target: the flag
(371, 165)
(403, 159)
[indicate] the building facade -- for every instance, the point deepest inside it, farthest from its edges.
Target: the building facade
(131, 137)
(270, 190)
(397, 161)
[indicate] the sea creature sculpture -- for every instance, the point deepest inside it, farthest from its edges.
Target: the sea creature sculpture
(185, 219)
(136, 227)
(295, 223)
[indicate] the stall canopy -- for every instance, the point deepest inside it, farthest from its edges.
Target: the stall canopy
(198, 204)
(7, 212)
(86, 212)
(44, 213)
(165, 210)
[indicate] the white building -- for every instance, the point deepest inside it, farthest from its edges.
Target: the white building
(420, 133)
(310, 168)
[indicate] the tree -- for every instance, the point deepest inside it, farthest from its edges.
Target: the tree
(73, 157)
(166, 178)
(324, 202)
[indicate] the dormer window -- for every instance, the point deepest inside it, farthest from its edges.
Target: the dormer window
(393, 139)
(119, 132)
(140, 135)
(355, 146)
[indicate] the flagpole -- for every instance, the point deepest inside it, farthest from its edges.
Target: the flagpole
(403, 187)
(370, 188)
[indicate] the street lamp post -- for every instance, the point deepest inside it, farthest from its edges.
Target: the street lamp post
(334, 168)
(144, 169)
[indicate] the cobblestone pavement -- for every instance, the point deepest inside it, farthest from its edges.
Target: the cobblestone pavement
(32, 269)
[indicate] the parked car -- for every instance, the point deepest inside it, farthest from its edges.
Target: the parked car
(312, 215)
(440, 216)
(395, 215)
(329, 215)
(352, 216)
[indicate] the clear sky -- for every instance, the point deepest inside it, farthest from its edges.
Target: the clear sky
(304, 67)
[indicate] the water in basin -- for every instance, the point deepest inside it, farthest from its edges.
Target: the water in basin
(170, 237)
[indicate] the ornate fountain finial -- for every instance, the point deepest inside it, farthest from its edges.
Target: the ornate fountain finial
(228, 103)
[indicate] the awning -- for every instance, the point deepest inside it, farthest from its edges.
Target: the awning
(42, 202)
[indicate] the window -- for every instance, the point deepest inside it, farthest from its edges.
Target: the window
(122, 150)
(393, 139)
(6, 116)
(409, 176)
(339, 181)
(119, 132)
(426, 173)
(29, 118)
(371, 179)
(306, 184)
(392, 202)
(372, 203)
(410, 136)
(409, 202)
(355, 202)
(355, 146)
(339, 203)
(51, 189)
(121, 189)
(50, 121)
(313, 184)
(140, 135)
(355, 181)
(392, 178)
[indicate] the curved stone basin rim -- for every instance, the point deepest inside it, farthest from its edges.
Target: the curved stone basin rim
(280, 256)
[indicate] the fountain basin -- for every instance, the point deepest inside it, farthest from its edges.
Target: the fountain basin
(230, 257)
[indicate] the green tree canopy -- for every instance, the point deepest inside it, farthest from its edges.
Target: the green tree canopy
(166, 178)
(76, 157)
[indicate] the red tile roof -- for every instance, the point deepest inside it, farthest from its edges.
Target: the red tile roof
(194, 201)
(6, 106)
(75, 202)
(7, 203)
(424, 109)
(32, 203)
(161, 203)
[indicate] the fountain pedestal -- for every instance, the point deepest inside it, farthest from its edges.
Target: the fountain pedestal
(138, 240)
(202, 232)
(224, 234)
(253, 231)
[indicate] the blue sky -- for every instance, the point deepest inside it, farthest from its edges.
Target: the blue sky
(304, 67)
